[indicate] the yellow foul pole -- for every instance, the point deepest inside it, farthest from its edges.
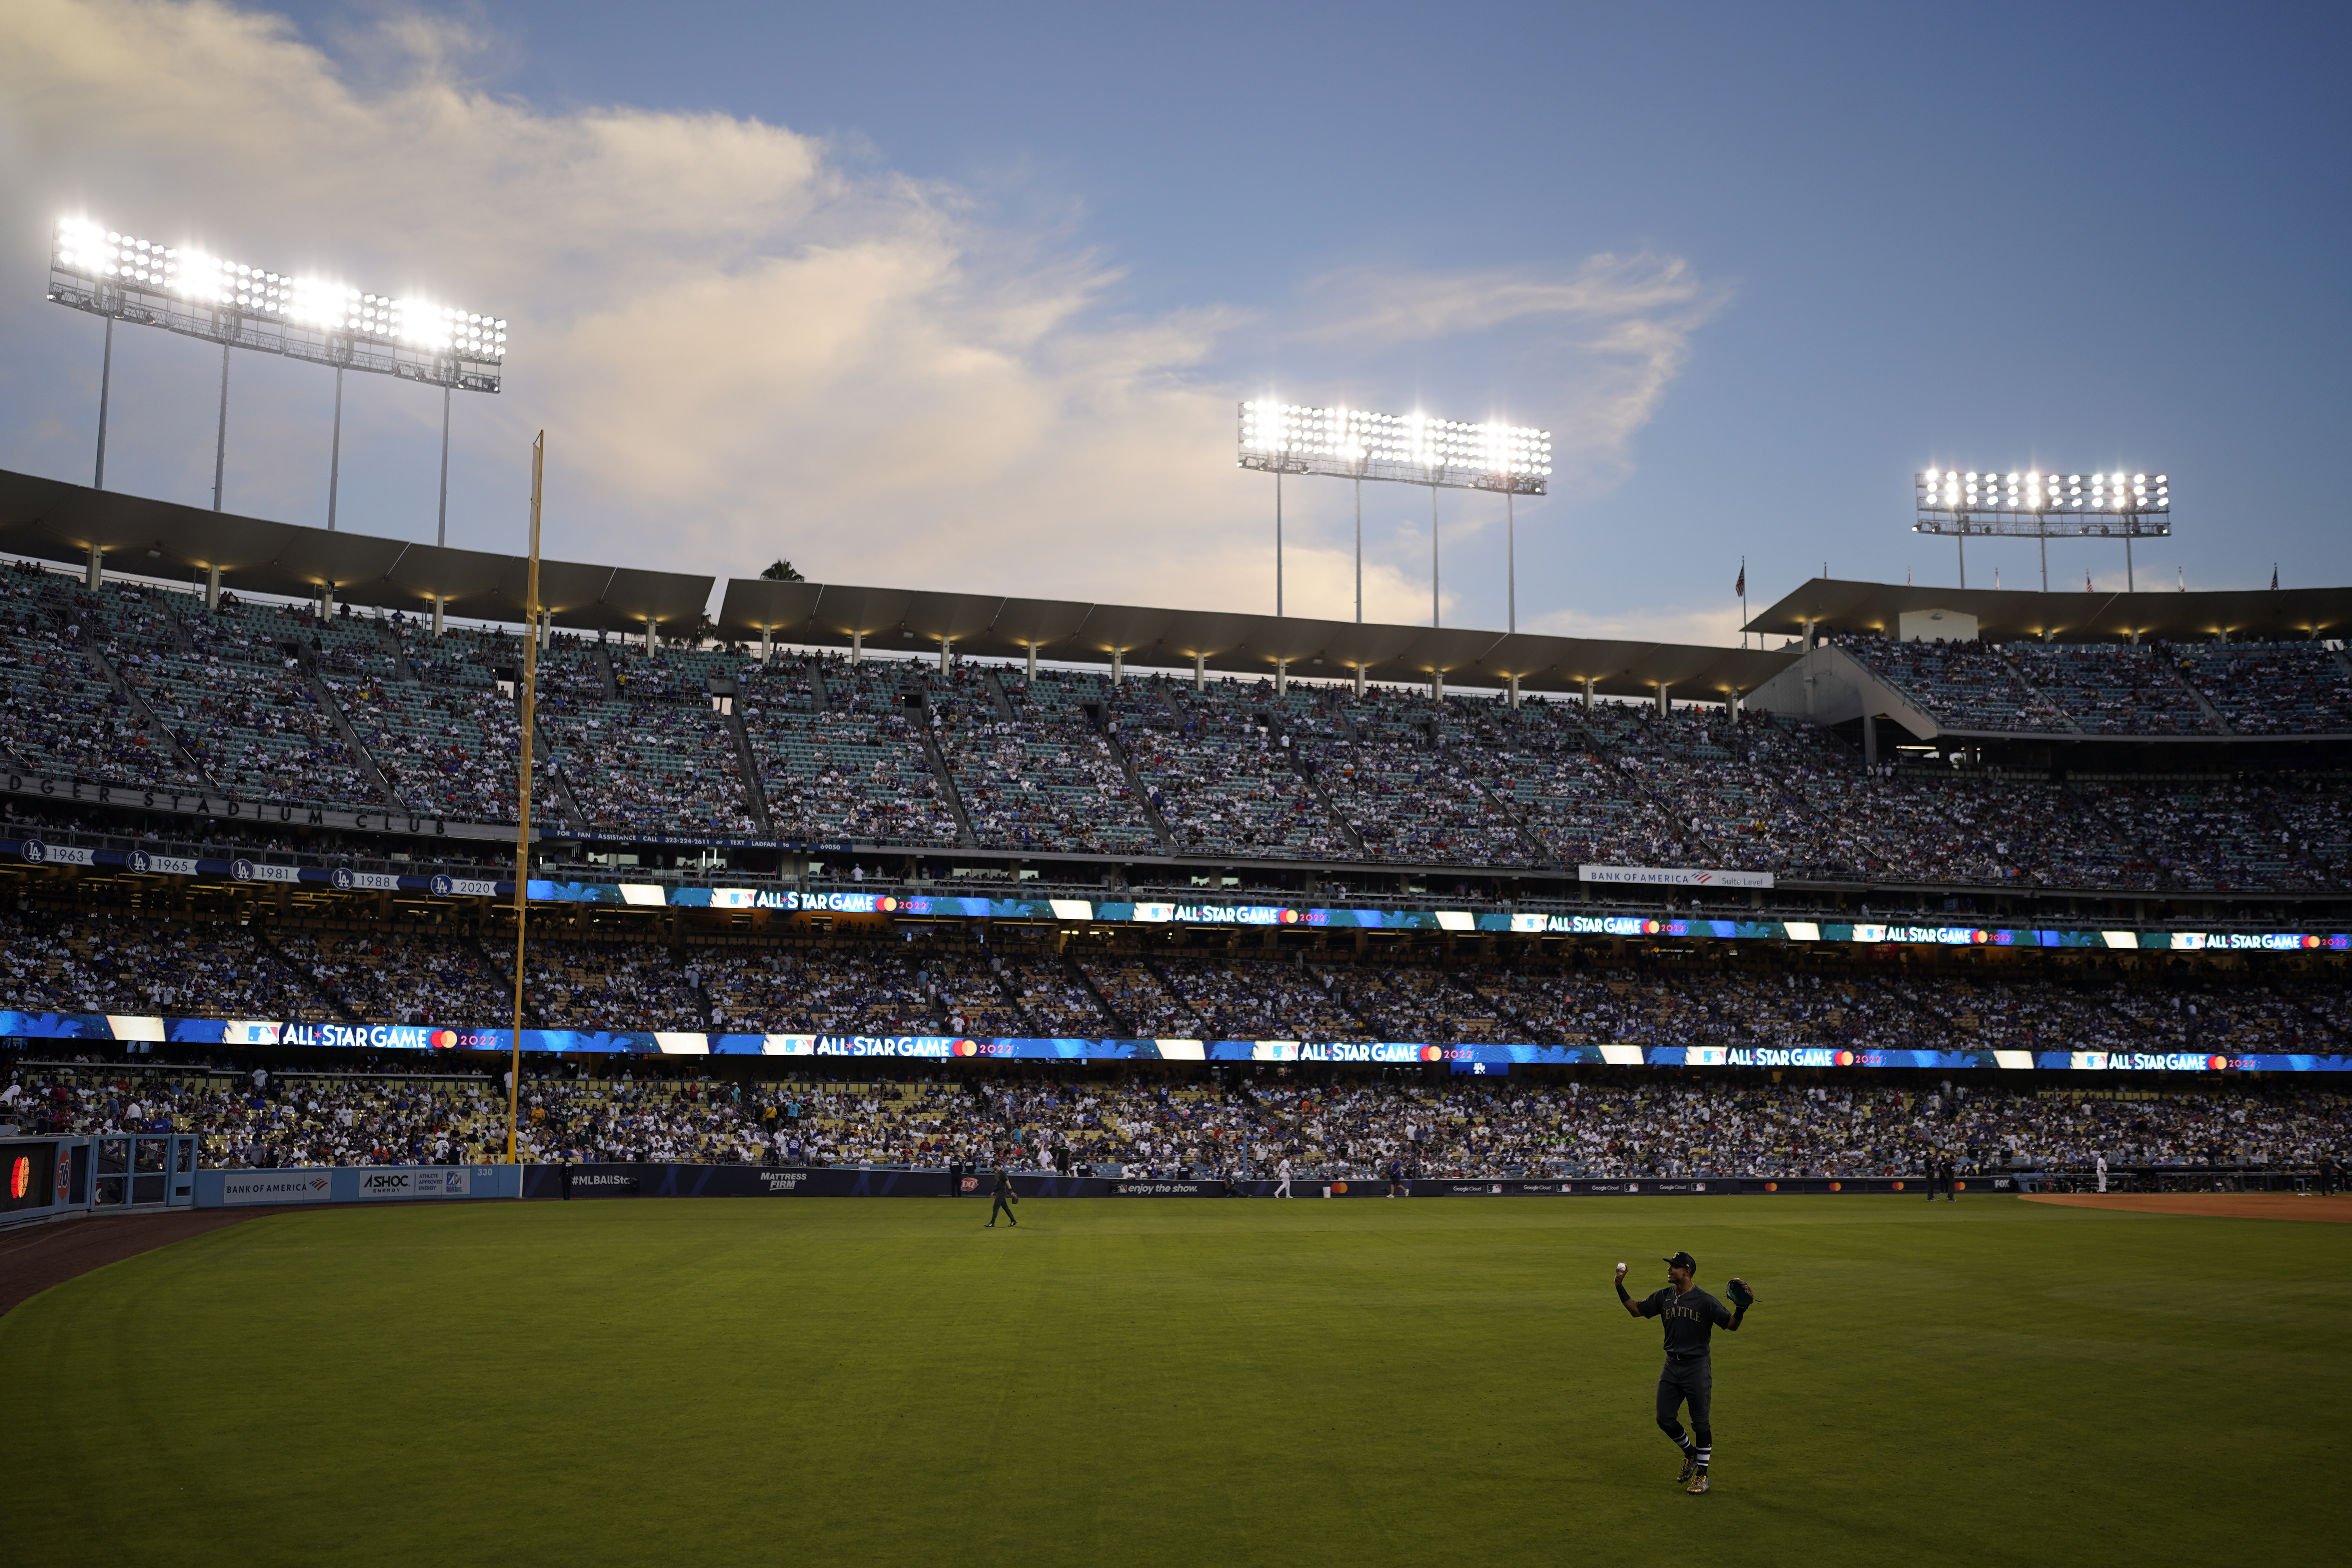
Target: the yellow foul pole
(522, 829)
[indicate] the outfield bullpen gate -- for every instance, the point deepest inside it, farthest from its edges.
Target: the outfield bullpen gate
(41, 1178)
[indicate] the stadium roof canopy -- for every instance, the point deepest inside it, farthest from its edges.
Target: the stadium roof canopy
(2006, 614)
(51, 520)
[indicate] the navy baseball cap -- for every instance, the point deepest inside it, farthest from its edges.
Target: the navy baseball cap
(1683, 1261)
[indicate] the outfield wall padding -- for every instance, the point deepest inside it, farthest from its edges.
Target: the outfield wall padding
(664, 1181)
(355, 1184)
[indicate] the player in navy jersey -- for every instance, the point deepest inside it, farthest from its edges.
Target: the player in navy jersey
(1691, 1316)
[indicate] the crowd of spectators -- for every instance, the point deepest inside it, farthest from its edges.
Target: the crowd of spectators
(1322, 1125)
(144, 686)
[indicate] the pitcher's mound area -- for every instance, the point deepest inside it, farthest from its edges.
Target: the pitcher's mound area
(2215, 1205)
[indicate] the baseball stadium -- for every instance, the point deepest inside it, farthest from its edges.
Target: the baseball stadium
(511, 1057)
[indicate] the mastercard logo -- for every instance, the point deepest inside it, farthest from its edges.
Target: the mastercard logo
(1287, 917)
(1845, 1058)
(1339, 1189)
(1651, 928)
(20, 1176)
(888, 904)
(2310, 941)
(967, 1047)
(1771, 1186)
(1980, 937)
(2217, 1063)
(444, 1039)
(1898, 1186)
(1840, 1186)
(1960, 1187)
(1433, 1053)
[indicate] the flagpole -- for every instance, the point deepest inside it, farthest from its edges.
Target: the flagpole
(522, 828)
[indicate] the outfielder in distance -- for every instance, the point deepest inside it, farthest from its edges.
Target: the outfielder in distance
(1691, 1315)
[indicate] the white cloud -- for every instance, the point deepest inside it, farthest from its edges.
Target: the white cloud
(743, 342)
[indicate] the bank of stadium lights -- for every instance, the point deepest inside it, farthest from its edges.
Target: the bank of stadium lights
(1407, 448)
(2036, 493)
(104, 256)
(186, 290)
(2035, 505)
(1356, 443)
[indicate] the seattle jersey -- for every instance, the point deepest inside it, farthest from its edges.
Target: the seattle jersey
(1690, 1318)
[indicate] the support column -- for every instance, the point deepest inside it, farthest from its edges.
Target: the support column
(1281, 677)
(1515, 692)
(649, 636)
(1118, 666)
(1033, 664)
(1438, 684)
(439, 605)
(1870, 739)
(1665, 708)
(767, 642)
(326, 601)
(1588, 694)
(441, 532)
(90, 578)
(105, 383)
(1200, 671)
(335, 452)
(220, 448)
(856, 647)
(546, 627)
(947, 656)
(1732, 705)
(212, 588)
(1360, 680)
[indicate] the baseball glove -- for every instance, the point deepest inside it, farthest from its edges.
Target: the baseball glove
(1741, 1296)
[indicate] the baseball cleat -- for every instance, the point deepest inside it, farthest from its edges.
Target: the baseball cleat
(1690, 1468)
(1698, 1483)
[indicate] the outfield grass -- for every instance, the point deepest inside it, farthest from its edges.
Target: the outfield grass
(1125, 1382)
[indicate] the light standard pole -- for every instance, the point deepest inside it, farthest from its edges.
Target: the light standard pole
(1511, 562)
(335, 452)
(220, 447)
(1432, 553)
(105, 378)
(441, 534)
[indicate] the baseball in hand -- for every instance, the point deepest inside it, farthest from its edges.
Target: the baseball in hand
(1621, 1268)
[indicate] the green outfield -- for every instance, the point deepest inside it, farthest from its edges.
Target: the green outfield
(1127, 1382)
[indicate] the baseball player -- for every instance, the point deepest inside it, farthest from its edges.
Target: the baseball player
(1283, 1170)
(1691, 1315)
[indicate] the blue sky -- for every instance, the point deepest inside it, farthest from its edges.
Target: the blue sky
(932, 296)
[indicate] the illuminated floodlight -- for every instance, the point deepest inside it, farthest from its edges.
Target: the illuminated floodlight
(1950, 494)
(1412, 449)
(2028, 504)
(188, 290)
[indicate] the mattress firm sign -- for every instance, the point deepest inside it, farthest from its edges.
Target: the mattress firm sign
(1675, 876)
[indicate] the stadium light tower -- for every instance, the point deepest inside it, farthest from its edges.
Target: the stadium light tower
(1409, 448)
(2035, 505)
(185, 289)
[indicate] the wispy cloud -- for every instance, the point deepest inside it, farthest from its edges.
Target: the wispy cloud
(744, 341)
